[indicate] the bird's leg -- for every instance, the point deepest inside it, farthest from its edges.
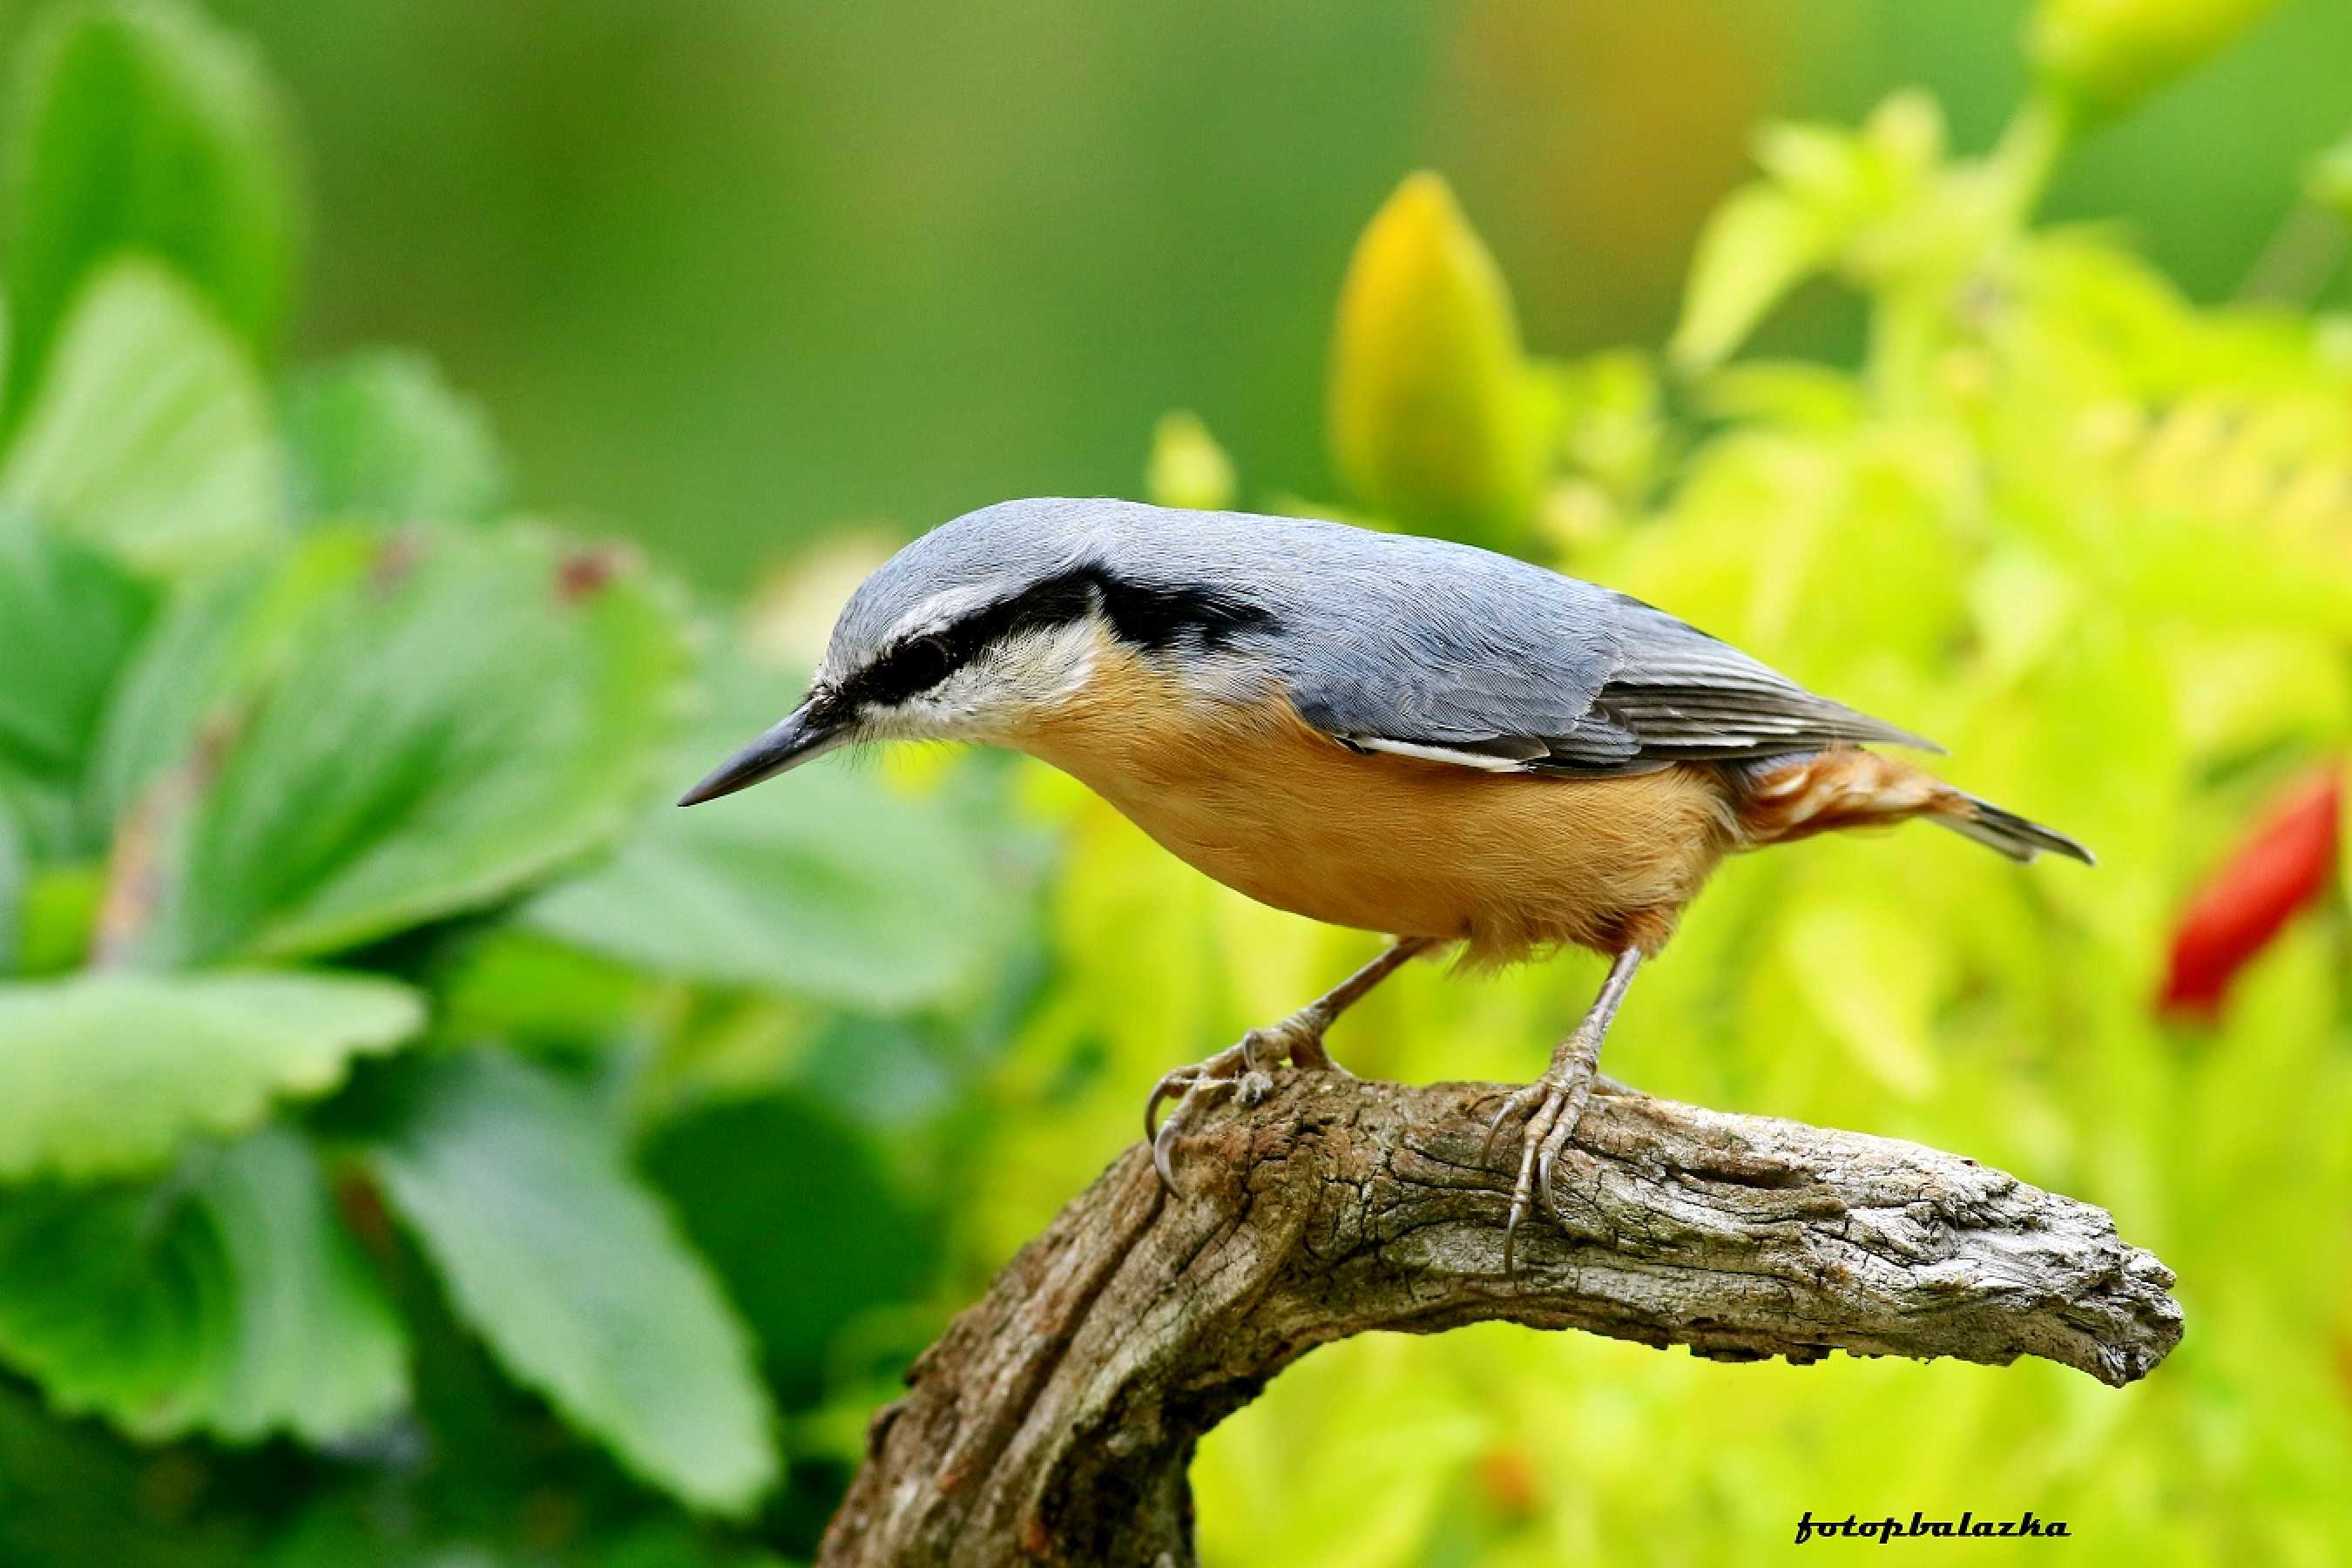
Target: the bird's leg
(1558, 1099)
(1301, 1035)
(1241, 1067)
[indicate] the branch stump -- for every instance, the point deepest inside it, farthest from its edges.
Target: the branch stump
(1053, 1423)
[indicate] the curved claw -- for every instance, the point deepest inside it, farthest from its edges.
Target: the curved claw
(1549, 1130)
(1521, 1189)
(1237, 1067)
(1572, 1114)
(1486, 1151)
(1162, 1142)
(1171, 1085)
(1248, 1046)
(1164, 1139)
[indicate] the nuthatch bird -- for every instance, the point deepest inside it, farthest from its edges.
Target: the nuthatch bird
(1400, 735)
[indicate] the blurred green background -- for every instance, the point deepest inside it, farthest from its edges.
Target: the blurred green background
(420, 1145)
(733, 274)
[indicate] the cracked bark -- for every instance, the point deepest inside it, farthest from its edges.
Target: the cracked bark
(1053, 1421)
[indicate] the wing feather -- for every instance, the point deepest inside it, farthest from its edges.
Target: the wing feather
(1546, 674)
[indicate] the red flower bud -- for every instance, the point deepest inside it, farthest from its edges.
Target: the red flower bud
(2283, 866)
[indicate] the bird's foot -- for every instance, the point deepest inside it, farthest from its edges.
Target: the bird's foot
(1239, 1070)
(1555, 1103)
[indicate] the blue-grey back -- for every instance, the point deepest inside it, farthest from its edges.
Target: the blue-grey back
(1396, 636)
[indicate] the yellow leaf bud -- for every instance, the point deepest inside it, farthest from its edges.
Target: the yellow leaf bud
(1434, 412)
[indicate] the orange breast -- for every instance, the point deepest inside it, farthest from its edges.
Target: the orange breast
(1253, 796)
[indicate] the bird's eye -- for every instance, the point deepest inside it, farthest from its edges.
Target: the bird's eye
(922, 663)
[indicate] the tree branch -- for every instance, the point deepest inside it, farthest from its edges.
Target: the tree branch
(1054, 1420)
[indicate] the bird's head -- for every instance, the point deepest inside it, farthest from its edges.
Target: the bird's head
(984, 626)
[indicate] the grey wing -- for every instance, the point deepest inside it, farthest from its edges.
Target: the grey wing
(1540, 673)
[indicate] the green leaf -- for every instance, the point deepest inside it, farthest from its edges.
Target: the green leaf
(13, 879)
(764, 1186)
(151, 434)
(70, 621)
(1611, 424)
(471, 714)
(382, 435)
(844, 892)
(142, 127)
(1759, 245)
(318, 1350)
(215, 644)
(230, 1302)
(1786, 394)
(2105, 56)
(515, 986)
(1862, 201)
(570, 1271)
(106, 1074)
(830, 884)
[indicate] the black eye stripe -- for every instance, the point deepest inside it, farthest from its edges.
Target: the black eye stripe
(924, 662)
(1152, 618)
(906, 670)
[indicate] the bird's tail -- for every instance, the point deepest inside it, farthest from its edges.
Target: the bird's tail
(1789, 798)
(2006, 831)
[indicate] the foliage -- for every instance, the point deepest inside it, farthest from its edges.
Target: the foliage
(2094, 538)
(312, 754)
(521, 1199)
(380, 435)
(137, 127)
(149, 431)
(109, 1072)
(419, 1143)
(2104, 55)
(228, 1301)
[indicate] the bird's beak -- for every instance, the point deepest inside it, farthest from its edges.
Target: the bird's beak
(808, 731)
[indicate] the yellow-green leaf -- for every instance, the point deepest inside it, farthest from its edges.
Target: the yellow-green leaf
(2107, 55)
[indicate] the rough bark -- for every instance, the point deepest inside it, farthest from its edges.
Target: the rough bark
(1053, 1421)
